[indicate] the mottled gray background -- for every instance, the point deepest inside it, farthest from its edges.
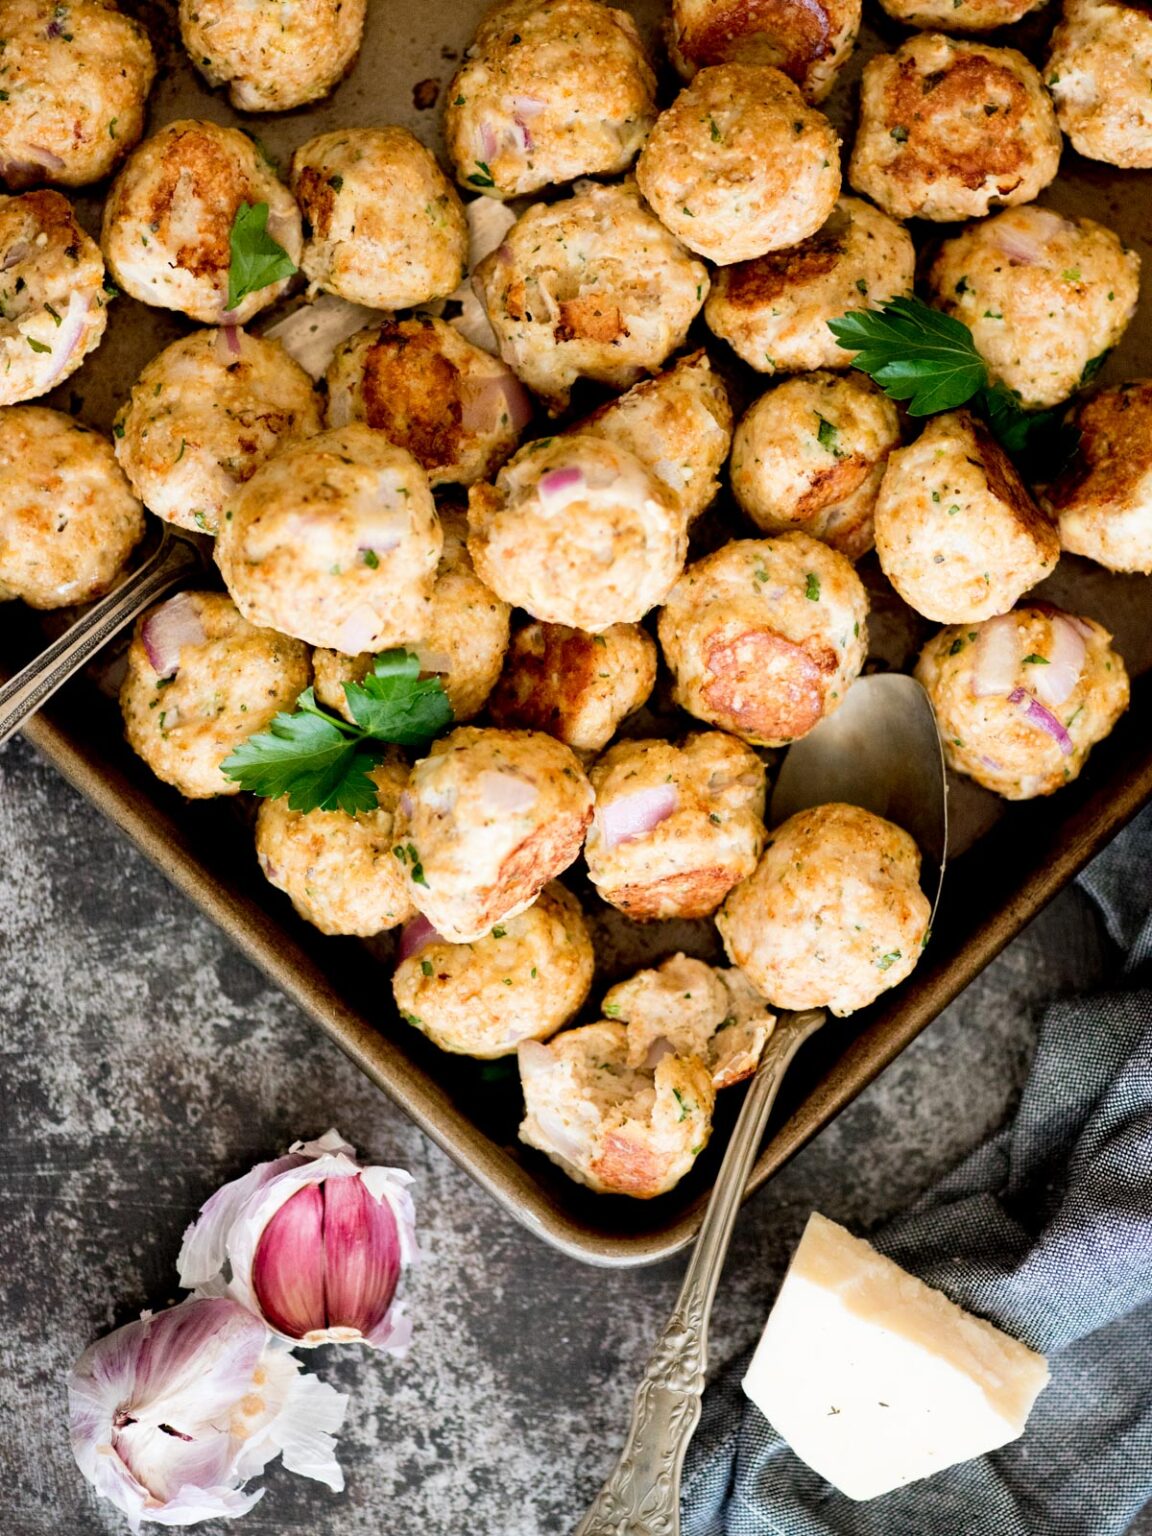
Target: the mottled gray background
(144, 1062)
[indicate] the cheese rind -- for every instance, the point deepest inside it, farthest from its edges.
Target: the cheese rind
(876, 1380)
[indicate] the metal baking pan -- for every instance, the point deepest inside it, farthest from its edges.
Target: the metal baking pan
(1008, 860)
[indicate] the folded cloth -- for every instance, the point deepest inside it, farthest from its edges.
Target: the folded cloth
(1046, 1230)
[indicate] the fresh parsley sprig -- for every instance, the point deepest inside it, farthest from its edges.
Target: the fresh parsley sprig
(257, 259)
(322, 761)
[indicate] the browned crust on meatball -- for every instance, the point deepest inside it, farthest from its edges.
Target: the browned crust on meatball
(753, 285)
(833, 484)
(51, 213)
(217, 181)
(411, 391)
(691, 893)
(768, 685)
(591, 319)
(1006, 485)
(628, 1167)
(1115, 448)
(791, 34)
(317, 199)
(538, 859)
(546, 676)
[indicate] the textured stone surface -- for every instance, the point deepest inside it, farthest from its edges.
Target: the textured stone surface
(144, 1062)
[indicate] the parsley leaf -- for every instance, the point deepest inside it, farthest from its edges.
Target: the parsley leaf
(257, 259)
(914, 353)
(395, 704)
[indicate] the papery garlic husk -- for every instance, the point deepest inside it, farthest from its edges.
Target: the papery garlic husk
(313, 1243)
(171, 1416)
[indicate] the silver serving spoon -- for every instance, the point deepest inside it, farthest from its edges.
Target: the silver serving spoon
(881, 750)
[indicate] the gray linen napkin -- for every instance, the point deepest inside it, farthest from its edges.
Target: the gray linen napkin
(1047, 1231)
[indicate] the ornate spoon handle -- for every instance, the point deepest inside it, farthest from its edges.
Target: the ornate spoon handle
(23, 694)
(642, 1494)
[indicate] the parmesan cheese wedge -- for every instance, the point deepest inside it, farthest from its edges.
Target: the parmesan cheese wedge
(876, 1380)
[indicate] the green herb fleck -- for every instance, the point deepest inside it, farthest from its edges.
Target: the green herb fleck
(812, 587)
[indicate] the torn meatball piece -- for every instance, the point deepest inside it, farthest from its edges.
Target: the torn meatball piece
(1045, 297)
(957, 532)
(200, 681)
(75, 78)
(620, 1130)
(676, 827)
(68, 518)
(334, 540)
(338, 870)
(810, 454)
(960, 15)
(834, 914)
(578, 532)
(809, 43)
(488, 819)
(464, 639)
(774, 311)
(1098, 73)
(950, 129)
(765, 636)
(272, 61)
(592, 286)
(202, 418)
(1103, 499)
(577, 687)
(548, 92)
(679, 424)
(458, 410)
(53, 303)
(523, 980)
(1023, 698)
(739, 164)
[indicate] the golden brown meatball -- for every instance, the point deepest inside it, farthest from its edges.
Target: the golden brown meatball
(522, 981)
(676, 827)
(488, 819)
(834, 914)
(1098, 73)
(339, 870)
(592, 286)
(550, 90)
(1022, 699)
(949, 129)
(810, 43)
(272, 60)
(1044, 296)
(68, 518)
(200, 681)
(577, 687)
(765, 636)
(385, 227)
(810, 454)
(960, 15)
(1103, 499)
(739, 164)
(458, 410)
(957, 532)
(774, 311)
(75, 78)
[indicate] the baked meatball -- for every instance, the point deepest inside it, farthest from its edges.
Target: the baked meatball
(488, 818)
(592, 286)
(68, 518)
(578, 532)
(739, 164)
(957, 532)
(169, 217)
(52, 296)
(764, 636)
(1103, 499)
(774, 311)
(949, 129)
(678, 423)
(621, 1130)
(384, 226)
(676, 827)
(334, 540)
(338, 870)
(458, 410)
(810, 454)
(464, 638)
(810, 43)
(1022, 699)
(550, 90)
(706, 1011)
(960, 15)
(202, 418)
(1044, 296)
(577, 687)
(834, 914)
(1098, 73)
(522, 981)
(75, 79)
(200, 681)
(269, 59)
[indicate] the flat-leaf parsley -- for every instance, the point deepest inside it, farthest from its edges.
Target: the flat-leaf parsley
(257, 259)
